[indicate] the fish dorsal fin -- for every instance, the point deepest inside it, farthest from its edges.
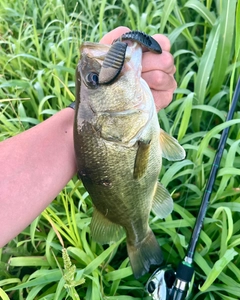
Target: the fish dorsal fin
(162, 201)
(104, 231)
(171, 149)
(141, 160)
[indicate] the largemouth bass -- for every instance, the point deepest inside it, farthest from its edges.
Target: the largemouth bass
(119, 148)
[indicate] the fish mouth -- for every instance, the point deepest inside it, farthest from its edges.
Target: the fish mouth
(112, 59)
(113, 63)
(115, 56)
(99, 51)
(119, 54)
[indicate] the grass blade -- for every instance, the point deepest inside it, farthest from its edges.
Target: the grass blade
(167, 10)
(3, 295)
(205, 68)
(218, 268)
(224, 49)
(202, 10)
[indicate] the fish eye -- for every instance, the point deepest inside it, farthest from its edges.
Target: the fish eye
(92, 80)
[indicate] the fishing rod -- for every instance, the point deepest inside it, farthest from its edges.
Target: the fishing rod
(165, 284)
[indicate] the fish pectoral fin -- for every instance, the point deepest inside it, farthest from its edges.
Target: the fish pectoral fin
(141, 160)
(162, 201)
(171, 149)
(104, 231)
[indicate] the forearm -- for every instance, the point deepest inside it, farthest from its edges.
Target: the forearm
(38, 163)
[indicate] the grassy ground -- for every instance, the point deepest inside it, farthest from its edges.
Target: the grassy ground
(39, 43)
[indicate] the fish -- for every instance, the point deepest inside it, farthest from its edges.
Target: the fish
(119, 147)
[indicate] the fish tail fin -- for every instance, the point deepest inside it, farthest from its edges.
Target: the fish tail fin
(144, 254)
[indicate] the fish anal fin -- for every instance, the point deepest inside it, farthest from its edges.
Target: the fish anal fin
(144, 254)
(103, 230)
(162, 204)
(141, 160)
(171, 149)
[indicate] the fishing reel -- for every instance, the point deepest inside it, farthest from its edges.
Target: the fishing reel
(165, 284)
(159, 285)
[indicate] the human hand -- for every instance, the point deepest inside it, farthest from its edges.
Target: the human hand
(157, 70)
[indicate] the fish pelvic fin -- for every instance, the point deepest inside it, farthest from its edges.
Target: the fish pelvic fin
(141, 160)
(171, 149)
(162, 204)
(103, 230)
(144, 254)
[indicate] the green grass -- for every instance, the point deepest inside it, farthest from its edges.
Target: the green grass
(39, 42)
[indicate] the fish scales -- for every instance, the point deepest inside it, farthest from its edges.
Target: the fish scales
(119, 148)
(106, 182)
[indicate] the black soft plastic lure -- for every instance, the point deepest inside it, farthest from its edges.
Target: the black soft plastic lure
(143, 39)
(114, 60)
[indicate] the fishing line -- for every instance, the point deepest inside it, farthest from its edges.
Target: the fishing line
(165, 284)
(177, 228)
(210, 125)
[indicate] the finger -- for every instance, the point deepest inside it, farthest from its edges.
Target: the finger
(153, 61)
(162, 98)
(163, 41)
(159, 81)
(114, 34)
